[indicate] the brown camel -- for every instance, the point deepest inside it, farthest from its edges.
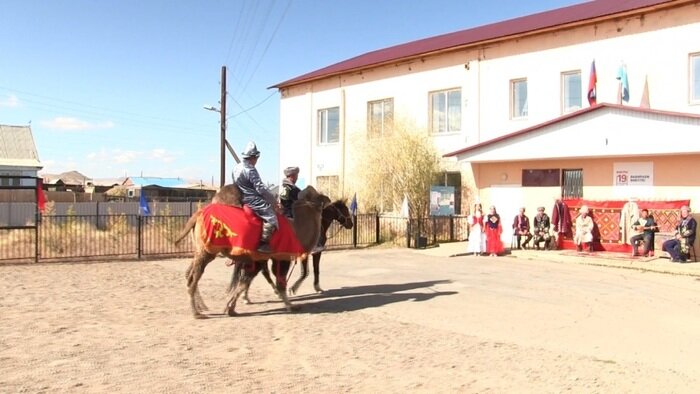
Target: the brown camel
(307, 227)
(245, 272)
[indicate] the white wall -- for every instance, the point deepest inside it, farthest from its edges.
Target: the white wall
(656, 46)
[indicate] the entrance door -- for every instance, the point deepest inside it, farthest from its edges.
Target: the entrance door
(507, 199)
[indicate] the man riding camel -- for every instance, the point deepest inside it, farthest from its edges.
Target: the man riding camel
(255, 194)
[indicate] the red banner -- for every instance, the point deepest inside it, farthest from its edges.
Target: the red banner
(239, 228)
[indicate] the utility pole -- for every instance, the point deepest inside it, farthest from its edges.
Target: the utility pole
(223, 126)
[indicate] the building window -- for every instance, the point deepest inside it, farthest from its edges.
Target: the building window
(571, 91)
(380, 117)
(518, 98)
(572, 184)
(542, 178)
(695, 78)
(328, 125)
(329, 186)
(446, 111)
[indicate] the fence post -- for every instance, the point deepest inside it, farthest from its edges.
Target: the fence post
(434, 230)
(354, 230)
(452, 228)
(408, 233)
(138, 235)
(37, 223)
(376, 227)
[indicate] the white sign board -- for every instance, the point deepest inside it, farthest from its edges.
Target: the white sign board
(633, 174)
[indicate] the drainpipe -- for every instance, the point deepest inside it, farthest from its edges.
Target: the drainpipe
(478, 96)
(311, 135)
(342, 141)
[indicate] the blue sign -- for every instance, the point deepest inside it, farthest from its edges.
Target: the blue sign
(442, 200)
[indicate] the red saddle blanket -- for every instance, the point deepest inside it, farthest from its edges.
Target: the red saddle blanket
(240, 229)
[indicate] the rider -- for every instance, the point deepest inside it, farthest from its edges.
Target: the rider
(255, 194)
(290, 191)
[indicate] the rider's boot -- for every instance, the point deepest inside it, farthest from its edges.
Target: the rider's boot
(267, 230)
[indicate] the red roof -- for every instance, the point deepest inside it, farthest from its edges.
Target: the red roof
(569, 116)
(501, 30)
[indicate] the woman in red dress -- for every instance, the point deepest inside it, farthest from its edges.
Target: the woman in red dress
(494, 245)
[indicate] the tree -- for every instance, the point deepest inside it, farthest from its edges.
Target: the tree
(402, 162)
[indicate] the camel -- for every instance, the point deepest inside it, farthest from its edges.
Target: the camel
(245, 272)
(306, 228)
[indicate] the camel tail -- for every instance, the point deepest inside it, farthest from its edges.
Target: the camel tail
(188, 226)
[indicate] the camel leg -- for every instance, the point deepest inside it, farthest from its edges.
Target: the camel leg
(266, 273)
(317, 272)
(199, 263)
(240, 288)
(280, 268)
(304, 274)
(251, 270)
(199, 301)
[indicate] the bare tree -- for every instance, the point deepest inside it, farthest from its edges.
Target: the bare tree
(401, 162)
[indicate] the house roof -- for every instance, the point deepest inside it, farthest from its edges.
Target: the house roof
(554, 19)
(159, 182)
(17, 147)
(578, 117)
(67, 178)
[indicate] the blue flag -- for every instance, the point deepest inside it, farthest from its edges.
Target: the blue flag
(624, 83)
(353, 205)
(143, 205)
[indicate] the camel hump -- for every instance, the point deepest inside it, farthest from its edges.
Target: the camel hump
(228, 195)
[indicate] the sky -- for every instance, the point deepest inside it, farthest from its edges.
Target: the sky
(117, 88)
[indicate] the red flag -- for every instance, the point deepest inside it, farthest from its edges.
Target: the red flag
(40, 197)
(592, 80)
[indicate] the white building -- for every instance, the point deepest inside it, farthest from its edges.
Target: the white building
(481, 84)
(18, 156)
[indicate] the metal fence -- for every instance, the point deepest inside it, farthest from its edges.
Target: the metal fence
(65, 237)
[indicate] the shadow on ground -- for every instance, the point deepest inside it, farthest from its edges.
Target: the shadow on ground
(348, 299)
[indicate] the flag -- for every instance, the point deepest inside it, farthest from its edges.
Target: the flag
(405, 212)
(624, 84)
(645, 95)
(592, 80)
(40, 196)
(353, 205)
(143, 204)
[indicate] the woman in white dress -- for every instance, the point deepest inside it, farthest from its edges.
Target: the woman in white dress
(477, 240)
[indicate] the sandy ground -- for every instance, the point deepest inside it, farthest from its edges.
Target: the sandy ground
(390, 321)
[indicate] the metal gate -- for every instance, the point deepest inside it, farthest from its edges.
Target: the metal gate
(19, 217)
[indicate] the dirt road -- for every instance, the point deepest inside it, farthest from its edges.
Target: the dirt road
(390, 321)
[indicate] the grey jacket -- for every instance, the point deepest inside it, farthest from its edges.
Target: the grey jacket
(253, 190)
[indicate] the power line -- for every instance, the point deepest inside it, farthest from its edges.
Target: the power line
(251, 107)
(267, 46)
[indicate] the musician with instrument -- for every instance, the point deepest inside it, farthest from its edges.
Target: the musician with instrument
(646, 227)
(679, 247)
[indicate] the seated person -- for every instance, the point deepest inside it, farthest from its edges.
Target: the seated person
(679, 247)
(584, 230)
(541, 225)
(646, 227)
(521, 228)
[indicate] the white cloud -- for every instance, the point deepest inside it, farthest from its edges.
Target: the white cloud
(11, 101)
(163, 155)
(75, 124)
(106, 157)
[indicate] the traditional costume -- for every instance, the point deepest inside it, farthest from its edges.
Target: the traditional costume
(561, 220)
(628, 216)
(477, 239)
(493, 231)
(584, 229)
(646, 227)
(521, 228)
(679, 247)
(255, 195)
(541, 229)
